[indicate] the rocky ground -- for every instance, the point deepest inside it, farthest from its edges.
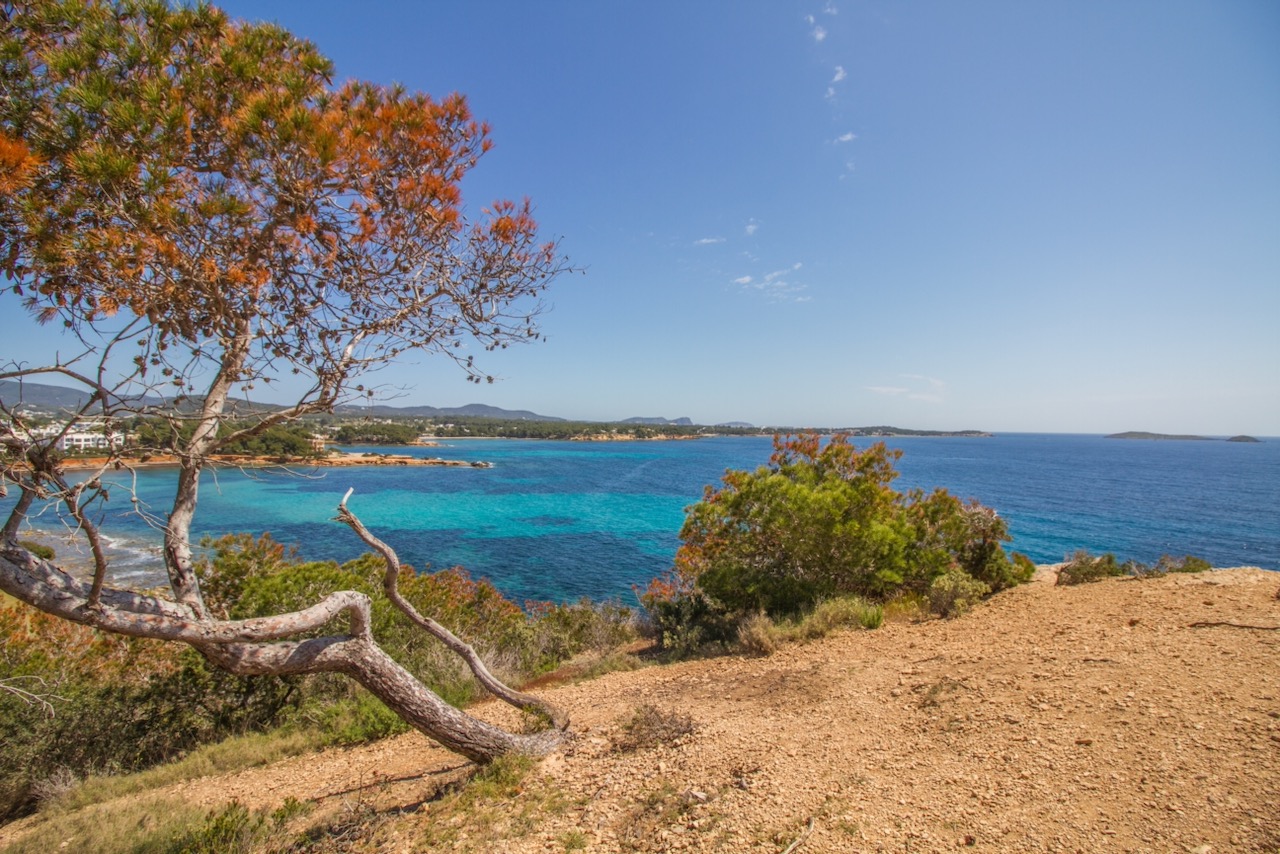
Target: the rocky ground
(1127, 715)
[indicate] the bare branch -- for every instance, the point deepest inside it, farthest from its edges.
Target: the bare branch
(390, 584)
(30, 698)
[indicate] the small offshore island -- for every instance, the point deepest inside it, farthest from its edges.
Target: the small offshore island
(1138, 434)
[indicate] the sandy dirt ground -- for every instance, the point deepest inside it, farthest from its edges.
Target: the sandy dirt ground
(1126, 715)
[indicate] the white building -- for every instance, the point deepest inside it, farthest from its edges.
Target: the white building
(87, 440)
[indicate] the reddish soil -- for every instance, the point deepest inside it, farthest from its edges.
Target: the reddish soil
(1126, 715)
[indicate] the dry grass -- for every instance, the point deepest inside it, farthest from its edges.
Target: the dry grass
(759, 635)
(650, 726)
(499, 802)
(139, 826)
(234, 754)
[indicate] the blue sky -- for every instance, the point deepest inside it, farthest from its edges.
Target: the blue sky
(1052, 216)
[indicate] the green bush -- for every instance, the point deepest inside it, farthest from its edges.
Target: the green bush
(819, 522)
(561, 631)
(1186, 563)
(1024, 567)
(840, 613)
(955, 592)
(357, 720)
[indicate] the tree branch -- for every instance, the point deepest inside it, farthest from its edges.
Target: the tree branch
(390, 584)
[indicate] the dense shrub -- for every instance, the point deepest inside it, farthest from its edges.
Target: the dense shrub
(281, 440)
(98, 704)
(820, 521)
(377, 433)
(757, 634)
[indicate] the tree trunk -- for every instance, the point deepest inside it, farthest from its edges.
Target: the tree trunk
(250, 647)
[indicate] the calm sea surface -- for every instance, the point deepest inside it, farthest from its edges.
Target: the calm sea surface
(560, 520)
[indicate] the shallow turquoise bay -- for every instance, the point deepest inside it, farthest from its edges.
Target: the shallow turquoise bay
(559, 520)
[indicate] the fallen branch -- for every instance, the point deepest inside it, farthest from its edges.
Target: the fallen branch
(800, 839)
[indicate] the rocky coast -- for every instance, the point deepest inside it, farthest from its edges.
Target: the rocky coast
(332, 459)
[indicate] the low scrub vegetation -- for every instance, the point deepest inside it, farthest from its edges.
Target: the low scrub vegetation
(760, 634)
(650, 726)
(1083, 567)
(92, 705)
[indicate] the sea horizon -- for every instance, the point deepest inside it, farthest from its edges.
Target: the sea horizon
(560, 520)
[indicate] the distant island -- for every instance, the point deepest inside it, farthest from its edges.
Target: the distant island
(1138, 434)
(882, 432)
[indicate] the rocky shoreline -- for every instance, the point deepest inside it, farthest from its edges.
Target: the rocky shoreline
(331, 460)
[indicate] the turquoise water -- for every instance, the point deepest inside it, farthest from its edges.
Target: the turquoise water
(559, 520)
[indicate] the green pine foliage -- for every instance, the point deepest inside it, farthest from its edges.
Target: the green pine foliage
(377, 433)
(822, 521)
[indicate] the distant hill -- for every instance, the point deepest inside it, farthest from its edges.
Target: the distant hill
(50, 397)
(53, 398)
(41, 396)
(678, 422)
(471, 410)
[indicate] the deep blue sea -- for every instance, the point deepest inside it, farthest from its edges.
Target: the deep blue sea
(561, 520)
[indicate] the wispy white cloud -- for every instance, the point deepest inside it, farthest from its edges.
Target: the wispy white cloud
(931, 393)
(819, 34)
(847, 137)
(830, 9)
(776, 286)
(840, 74)
(831, 93)
(933, 381)
(707, 241)
(751, 227)
(810, 20)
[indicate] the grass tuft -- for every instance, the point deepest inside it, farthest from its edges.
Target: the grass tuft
(233, 754)
(649, 727)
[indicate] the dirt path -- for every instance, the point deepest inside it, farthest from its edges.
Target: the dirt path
(1092, 718)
